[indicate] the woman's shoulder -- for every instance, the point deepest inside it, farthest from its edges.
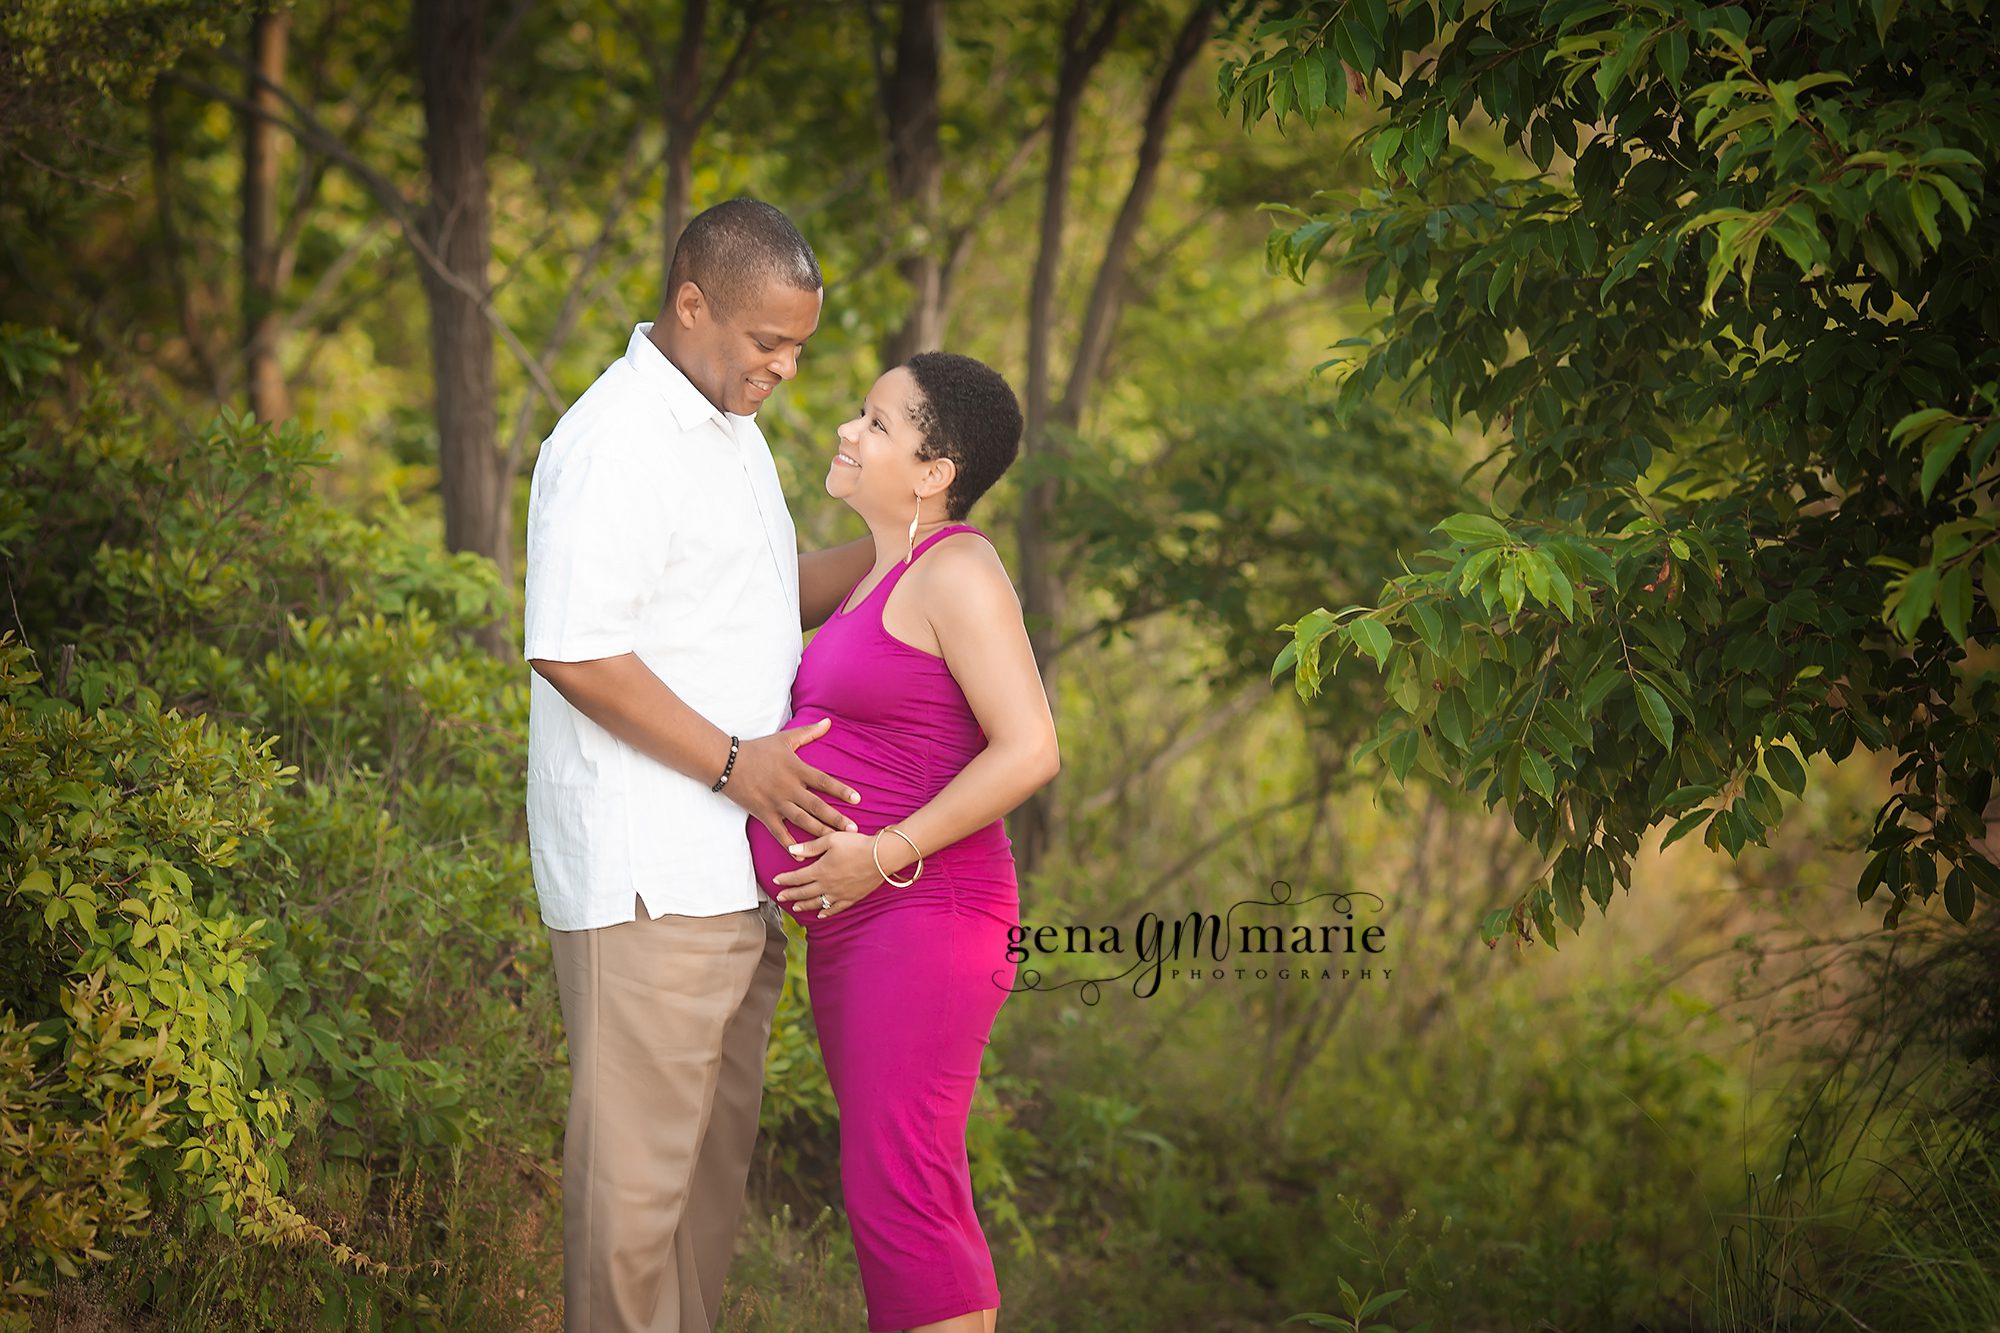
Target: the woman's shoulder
(961, 558)
(962, 580)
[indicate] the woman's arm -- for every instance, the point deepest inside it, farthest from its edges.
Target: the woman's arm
(827, 576)
(969, 602)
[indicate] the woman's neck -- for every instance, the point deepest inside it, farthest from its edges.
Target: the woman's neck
(892, 539)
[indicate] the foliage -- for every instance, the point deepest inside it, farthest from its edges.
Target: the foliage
(63, 62)
(1247, 507)
(68, 1177)
(1173, 1211)
(184, 928)
(1746, 513)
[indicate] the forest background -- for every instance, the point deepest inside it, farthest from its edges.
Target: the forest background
(1650, 472)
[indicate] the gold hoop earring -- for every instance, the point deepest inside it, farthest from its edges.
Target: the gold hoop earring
(914, 518)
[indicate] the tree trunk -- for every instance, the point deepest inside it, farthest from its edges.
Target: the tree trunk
(478, 490)
(681, 105)
(1100, 316)
(269, 399)
(1041, 588)
(916, 172)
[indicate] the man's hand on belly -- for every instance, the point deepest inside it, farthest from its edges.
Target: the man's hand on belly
(773, 784)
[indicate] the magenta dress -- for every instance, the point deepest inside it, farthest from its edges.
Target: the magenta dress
(905, 983)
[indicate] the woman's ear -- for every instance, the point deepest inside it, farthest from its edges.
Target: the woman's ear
(937, 478)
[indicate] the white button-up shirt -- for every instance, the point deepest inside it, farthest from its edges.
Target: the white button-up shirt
(656, 526)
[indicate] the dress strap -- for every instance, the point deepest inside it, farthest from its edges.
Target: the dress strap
(935, 537)
(902, 567)
(897, 570)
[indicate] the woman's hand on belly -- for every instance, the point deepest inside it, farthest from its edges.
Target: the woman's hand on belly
(845, 872)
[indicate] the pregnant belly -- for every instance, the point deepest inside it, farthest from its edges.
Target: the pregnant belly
(891, 780)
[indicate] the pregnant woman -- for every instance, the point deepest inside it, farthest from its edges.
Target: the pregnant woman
(941, 724)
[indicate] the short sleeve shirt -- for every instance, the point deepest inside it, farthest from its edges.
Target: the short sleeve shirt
(656, 526)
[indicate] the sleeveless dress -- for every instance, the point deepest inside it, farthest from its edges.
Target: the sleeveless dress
(905, 983)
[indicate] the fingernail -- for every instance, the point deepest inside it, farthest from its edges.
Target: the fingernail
(796, 850)
(854, 796)
(853, 827)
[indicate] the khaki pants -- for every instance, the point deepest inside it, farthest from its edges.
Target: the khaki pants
(667, 1022)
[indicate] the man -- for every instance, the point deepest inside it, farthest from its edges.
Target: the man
(665, 603)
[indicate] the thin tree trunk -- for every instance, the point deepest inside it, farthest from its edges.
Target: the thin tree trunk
(170, 239)
(269, 399)
(681, 104)
(477, 489)
(1041, 588)
(684, 109)
(916, 172)
(1100, 316)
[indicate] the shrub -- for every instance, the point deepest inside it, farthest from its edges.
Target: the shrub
(262, 810)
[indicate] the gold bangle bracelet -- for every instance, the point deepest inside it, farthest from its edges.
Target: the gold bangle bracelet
(875, 851)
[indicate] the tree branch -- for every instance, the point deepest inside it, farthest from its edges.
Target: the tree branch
(573, 300)
(1106, 294)
(307, 129)
(733, 67)
(163, 205)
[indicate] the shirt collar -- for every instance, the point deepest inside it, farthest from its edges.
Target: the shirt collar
(688, 404)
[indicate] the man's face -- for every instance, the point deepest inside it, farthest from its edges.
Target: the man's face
(739, 360)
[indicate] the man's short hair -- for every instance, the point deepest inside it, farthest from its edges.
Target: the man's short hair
(967, 413)
(735, 249)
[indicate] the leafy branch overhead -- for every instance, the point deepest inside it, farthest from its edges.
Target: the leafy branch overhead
(1745, 511)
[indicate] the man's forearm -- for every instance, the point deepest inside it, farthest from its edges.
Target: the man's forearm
(827, 576)
(622, 695)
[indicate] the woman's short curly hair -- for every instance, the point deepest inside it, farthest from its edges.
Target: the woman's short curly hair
(968, 414)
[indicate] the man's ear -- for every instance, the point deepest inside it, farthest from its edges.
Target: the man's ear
(688, 304)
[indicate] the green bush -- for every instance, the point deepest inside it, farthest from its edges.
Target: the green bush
(269, 912)
(262, 807)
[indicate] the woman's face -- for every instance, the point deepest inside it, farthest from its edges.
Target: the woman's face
(876, 469)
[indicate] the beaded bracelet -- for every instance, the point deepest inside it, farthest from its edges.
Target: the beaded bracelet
(723, 781)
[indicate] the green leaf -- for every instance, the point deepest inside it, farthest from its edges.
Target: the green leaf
(1402, 752)
(1430, 627)
(1940, 453)
(1599, 689)
(1915, 421)
(1786, 770)
(1473, 530)
(1597, 875)
(1912, 600)
(1954, 600)
(1375, 1304)
(1653, 709)
(1569, 903)
(1454, 718)
(1535, 569)
(1372, 637)
(1958, 895)
(1684, 826)
(1541, 779)
(1565, 594)
(1674, 59)
(1871, 875)
(1511, 589)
